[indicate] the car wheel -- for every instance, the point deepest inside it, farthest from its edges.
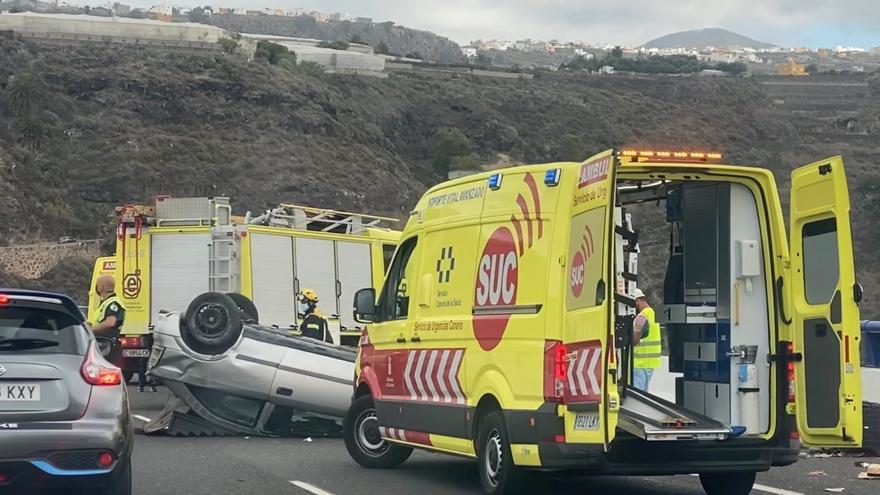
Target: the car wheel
(213, 323)
(363, 440)
(498, 473)
(249, 311)
(128, 375)
(727, 483)
(121, 482)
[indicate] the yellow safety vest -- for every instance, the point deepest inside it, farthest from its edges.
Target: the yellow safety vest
(102, 309)
(649, 350)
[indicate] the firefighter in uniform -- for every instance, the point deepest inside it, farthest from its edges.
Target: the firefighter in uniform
(314, 322)
(111, 316)
(646, 342)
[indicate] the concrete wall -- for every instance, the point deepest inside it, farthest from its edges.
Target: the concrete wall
(119, 27)
(33, 261)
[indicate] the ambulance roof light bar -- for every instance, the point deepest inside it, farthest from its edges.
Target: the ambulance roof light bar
(638, 155)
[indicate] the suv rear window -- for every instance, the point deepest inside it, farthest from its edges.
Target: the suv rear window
(38, 330)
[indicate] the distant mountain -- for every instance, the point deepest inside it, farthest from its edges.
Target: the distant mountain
(701, 38)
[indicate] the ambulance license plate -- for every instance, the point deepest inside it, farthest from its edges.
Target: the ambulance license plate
(136, 353)
(586, 422)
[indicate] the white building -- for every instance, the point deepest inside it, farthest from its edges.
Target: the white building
(606, 69)
(469, 51)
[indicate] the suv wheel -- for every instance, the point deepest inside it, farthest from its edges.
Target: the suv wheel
(727, 483)
(363, 440)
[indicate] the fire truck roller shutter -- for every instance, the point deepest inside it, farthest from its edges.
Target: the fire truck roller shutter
(178, 271)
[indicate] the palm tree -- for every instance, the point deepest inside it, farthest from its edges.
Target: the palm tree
(25, 91)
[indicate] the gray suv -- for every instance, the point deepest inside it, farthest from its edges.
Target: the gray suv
(64, 416)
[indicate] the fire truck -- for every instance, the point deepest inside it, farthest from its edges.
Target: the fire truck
(173, 249)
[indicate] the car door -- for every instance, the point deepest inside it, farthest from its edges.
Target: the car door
(389, 347)
(825, 296)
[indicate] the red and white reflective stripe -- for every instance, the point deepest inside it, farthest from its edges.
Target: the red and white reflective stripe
(432, 375)
(584, 374)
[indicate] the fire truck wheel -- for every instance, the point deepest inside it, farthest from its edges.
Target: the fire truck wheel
(363, 440)
(249, 312)
(498, 473)
(213, 323)
(727, 483)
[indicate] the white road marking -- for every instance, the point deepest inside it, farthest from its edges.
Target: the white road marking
(142, 418)
(776, 491)
(309, 488)
(769, 489)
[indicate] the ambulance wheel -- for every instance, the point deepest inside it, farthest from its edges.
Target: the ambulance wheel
(364, 443)
(213, 323)
(249, 312)
(498, 473)
(727, 483)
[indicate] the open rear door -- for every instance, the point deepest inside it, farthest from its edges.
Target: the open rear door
(825, 298)
(590, 392)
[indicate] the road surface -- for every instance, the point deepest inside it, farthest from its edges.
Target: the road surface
(292, 466)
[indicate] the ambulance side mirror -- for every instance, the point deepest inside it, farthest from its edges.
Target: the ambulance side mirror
(365, 306)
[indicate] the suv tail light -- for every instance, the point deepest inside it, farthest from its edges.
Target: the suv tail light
(555, 371)
(131, 341)
(4, 299)
(97, 373)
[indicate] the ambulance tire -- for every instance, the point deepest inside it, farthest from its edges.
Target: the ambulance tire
(361, 433)
(249, 313)
(498, 474)
(728, 483)
(213, 323)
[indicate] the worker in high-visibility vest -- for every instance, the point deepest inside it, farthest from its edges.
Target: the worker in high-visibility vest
(111, 315)
(646, 342)
(314, 322)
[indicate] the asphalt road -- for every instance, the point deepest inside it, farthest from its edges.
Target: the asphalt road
(293, 466)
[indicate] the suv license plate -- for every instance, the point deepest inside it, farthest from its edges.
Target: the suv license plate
(586, 422)
(19, 392)
(136, 353)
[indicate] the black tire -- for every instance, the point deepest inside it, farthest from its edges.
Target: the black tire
(121, 484)
(360, 429)
(127, 375)
(728, 483)
(498, 474)
(249, 313)
(213, 323)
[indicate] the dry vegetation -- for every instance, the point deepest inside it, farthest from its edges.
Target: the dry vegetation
(116, 125)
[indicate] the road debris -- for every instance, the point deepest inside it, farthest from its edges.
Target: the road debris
(835, 490)
(817, 473)
(872, 472)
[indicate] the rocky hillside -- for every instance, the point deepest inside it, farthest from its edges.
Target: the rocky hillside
(105, 126)
(397, 40)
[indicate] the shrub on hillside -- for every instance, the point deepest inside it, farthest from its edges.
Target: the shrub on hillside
(274, 53)
(448, 144)
(334, 45)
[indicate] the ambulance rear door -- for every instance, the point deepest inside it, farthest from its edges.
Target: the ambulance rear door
(590, 394)
(825, 315)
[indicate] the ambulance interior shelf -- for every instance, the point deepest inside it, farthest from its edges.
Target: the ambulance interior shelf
(713, 271)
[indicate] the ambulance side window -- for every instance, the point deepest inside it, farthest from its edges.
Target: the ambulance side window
(394, 301)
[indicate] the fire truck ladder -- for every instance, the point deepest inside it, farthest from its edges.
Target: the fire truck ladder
(318, 219)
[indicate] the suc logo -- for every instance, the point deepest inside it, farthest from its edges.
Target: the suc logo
(497, 278)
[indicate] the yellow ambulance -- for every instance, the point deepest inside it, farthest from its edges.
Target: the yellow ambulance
(502, 332)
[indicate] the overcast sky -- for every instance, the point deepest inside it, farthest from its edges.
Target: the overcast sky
(813, 23)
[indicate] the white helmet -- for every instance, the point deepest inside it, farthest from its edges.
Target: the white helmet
(637, 293)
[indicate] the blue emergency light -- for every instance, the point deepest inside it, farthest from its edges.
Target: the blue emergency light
(551, 177)
(494, 181)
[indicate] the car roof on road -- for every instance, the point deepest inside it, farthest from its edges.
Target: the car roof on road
(65, 301)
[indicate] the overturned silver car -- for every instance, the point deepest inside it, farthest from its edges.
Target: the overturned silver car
(230, 375)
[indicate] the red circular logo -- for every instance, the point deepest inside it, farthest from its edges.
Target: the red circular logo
(576, 275)
(497, 277)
